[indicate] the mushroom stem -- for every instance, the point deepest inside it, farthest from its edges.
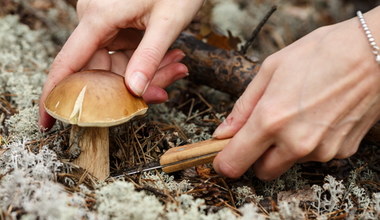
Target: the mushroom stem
(94, 146)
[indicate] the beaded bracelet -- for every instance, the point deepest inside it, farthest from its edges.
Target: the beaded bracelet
(371, 39)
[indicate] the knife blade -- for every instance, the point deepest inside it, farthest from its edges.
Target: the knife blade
(183, 157)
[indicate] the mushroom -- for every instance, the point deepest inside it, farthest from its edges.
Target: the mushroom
(92, 101)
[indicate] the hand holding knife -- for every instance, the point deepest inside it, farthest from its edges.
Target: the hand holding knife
(186, 156)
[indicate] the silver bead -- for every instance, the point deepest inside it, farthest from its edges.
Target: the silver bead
(371, 39)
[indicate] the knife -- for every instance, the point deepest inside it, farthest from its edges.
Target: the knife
(183, 157)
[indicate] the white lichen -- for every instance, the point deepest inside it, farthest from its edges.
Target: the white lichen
(251, 211)
(165, 182)
(29, 184)
(25, 124)
(333, 196)
(188, 208)
(119, 200)
(244, 194)
(290, 210)
(24, 58)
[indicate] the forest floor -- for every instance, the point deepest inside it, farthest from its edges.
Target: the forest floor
(38, 180)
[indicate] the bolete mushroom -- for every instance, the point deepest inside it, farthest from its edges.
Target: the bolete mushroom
(92, 101)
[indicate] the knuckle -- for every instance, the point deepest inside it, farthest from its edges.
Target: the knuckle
(346, 153)
(266, 172)
(268, 62)
(303, 145)
(325, 156)
(270, 123)
(343, 155)
(265, 176)
(301, 150)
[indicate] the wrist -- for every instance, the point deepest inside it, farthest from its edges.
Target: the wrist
(370, 35)
(372, 18)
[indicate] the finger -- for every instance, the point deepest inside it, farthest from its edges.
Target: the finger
(343, 140)
(100, 60)
(145, 61)
(119, 61)
(73, 57)
(243, 150)
(323, 152)
(350, 145)
(155, 95)
(169, 74)
(329, 145)
(246, 103)
(273, 163)
(45, 121)
(173, 56)
(354, 137)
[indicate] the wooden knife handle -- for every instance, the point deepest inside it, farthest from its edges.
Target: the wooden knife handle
(191, 155)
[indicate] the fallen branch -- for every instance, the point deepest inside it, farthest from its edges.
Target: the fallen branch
(227, 71)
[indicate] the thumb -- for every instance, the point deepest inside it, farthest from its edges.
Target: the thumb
(244, 106)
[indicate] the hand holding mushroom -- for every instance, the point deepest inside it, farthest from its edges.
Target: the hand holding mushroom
(92, 101)
(117, 25)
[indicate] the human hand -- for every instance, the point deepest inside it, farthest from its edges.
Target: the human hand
(312, 101)
(117, 26)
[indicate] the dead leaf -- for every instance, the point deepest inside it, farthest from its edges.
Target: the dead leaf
(203, 171)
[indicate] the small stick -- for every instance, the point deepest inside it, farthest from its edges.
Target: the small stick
(234, 210)
(229, 192)
(256, 31)
(141, 147)
(209, 107)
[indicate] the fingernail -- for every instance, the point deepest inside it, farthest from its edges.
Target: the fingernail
(222, 128)
(40, 126)
(181, 76)
(179, 57)
(138, 83)
(219, 130)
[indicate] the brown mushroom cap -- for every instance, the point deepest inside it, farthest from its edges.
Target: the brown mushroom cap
(93, 98)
